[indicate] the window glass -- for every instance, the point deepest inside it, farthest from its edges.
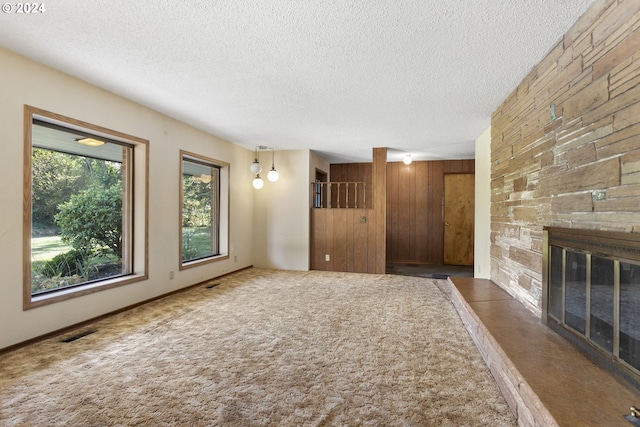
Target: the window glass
(201, 219)
(78, 194)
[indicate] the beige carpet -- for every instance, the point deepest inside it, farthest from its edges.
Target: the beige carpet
(264, 348)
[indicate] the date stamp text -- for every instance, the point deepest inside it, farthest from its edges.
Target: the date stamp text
(23, 8)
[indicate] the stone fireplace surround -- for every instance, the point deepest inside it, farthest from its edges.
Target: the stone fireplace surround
(565, 152)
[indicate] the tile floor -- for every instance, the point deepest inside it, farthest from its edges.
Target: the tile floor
(429, 270)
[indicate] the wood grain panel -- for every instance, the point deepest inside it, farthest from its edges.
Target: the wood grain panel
(412, 213)
(405, 208)
(393, 220)
(365, 172)
(459, 218)
(318, 238)
(353, 172)
(436, 220)
(458, 166)
(379, 183)
(330, 245)
(335, 175)
(360, 240)
(312, 240)
(415, 232)
(421, 206)
(349, 240)
(372, 248)
(339, 256)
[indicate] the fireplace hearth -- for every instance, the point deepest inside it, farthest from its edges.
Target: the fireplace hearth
(591, 295)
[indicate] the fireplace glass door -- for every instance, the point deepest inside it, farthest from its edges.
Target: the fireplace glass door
(602, 297)
(596, 295)
(575, 288)
(630, 314)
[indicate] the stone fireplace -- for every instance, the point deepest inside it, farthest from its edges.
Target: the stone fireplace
(591, 295)
(565, 154)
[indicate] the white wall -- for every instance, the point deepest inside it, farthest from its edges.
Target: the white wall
(482, 235)
(25, 82)
(282, 213)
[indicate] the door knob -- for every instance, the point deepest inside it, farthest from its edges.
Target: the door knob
(446, 223)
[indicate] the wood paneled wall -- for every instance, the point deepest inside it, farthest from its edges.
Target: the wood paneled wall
(415, 224)
(354, 239)
(349, 242)
(379, 184)
(404, 222)
(352, 172)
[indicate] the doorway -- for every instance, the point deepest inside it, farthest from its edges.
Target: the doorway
(320, 190)
(459, 203)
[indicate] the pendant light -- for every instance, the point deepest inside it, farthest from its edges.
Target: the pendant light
(273, 174)
(258, 183)
(255, 166)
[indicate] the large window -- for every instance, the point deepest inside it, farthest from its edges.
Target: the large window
(79, 212)
(203, 216)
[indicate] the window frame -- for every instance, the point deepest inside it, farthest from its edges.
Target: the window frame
(136, 213)
(223, 209)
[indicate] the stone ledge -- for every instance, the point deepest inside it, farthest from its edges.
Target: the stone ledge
(544, 379)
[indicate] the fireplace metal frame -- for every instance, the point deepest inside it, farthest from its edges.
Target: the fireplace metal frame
(616, 246)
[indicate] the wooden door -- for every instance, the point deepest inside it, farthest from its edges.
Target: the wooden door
(459, 193)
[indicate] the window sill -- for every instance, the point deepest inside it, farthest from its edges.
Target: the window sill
(34, 301)
(203, 261)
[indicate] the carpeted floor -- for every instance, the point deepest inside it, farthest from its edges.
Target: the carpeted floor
(264, 348)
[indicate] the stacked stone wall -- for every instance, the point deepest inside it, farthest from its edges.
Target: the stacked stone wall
(565, 146)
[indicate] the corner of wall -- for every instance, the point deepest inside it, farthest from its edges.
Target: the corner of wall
(482, 232)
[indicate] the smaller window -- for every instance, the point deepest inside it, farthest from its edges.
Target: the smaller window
(204, 213)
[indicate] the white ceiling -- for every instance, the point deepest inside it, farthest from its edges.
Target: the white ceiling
(335, 76)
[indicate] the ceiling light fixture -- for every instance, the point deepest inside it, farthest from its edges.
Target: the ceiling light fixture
(258, 183)
(91, 142)
(256, 168)
(407, 159)
(273, 174)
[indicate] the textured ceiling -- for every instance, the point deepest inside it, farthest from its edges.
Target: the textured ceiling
(337, 77)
